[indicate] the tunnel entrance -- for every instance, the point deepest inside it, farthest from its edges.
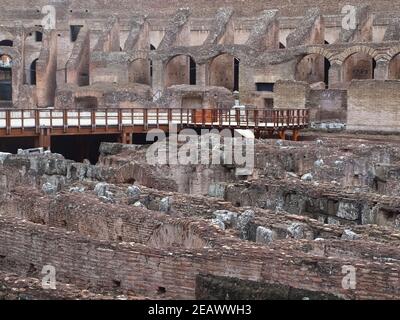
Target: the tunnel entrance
(79, 147)
(12, 145)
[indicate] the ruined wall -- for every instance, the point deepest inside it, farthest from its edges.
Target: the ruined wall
(291, 94)
(158, 8)
(373, 106)
(328, 105)
(46, 71)
(78, 64)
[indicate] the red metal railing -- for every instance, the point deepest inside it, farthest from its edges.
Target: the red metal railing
(34, 119)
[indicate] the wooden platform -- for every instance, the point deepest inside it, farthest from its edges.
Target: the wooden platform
(44, 123)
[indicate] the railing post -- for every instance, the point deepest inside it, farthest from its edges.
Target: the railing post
(79, 120)
(145, 119)
(65, 120)
(256, 119)
(37, 121)
(8, 122)
(93, 120)
(119, 119)
(22, 121)
(169, 116)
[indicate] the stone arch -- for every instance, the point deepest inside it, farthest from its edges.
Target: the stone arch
(6, 77)
(6, 43)
(326, 53)
(313, 68)
(357, 62)
(6, 34)
(16, 71)
(224, 71)
(139, 71)
(342, 57)
(32, 71)
(394, 67)
(180, 69)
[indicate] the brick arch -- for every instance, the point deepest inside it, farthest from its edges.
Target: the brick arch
(341, 58)
(394, 52)
(223, 70)
(217, 54)
(179, 71)
(12, 52)
(6, 34)
(139, 54)
(321, 51)
(176, 54)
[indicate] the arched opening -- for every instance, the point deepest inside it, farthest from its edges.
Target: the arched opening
(139, 71)
(6, 43)
(313, 68)
(5, 78)
(33, 72)
(224, 72)
(180, 70)
(394, 68)
(358, 66)
(151, 62)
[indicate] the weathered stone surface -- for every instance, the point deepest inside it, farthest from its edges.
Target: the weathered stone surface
(166, 205)
(101, 189)
(350, 235)
(264, 235)
(243, 223)
(49, 188)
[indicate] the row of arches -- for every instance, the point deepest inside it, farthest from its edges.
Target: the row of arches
(314, 68)
(223, 71)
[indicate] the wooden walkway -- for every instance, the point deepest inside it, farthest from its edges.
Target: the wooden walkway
(44, 123)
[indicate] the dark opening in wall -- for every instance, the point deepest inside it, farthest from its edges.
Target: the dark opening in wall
(5, 78)
(33, 72)
(12, 145)
(373, 68)
(80, 147)
(327, 66)
(281, 45)
(161, 290)
(75, 29)
(6, 43)
(151, 62)
(38, 36)
(84, 80)
(269, 103)
(192, 72)
(236, 75)
(265, 86)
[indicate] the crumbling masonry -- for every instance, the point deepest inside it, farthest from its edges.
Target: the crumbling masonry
(121, 228)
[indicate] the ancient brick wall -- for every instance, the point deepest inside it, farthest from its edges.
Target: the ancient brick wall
(374, 106)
